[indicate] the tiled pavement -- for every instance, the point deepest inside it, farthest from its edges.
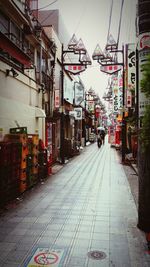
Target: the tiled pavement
(86, 206)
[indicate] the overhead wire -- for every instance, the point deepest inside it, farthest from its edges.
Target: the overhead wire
(49, 15)
(120, 20)
(110, 17)
(47, 5)
(81, 16)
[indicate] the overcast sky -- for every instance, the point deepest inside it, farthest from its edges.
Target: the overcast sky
(89, 20)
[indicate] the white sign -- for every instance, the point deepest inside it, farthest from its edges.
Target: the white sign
(79, 91)
(78, 114)
(143, 100)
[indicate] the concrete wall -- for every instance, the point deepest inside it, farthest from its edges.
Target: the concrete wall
(19, 103)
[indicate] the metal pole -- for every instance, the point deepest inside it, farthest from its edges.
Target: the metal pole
(85, 121)
(62, 154)
(123, 113)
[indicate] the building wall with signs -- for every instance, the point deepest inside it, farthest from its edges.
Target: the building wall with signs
(144, 51)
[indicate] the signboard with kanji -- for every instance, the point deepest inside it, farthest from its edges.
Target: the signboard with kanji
(130, 74)
(74, 69)
(110, 69)
(57, 99)
(144, 51)
(78, 113)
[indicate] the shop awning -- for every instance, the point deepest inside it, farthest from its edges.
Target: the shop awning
(40, 113)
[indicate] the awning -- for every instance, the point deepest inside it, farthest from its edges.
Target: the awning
(8, 46)
(40, 113)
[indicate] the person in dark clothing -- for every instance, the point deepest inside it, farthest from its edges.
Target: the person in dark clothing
(102, 134)
(99, 139)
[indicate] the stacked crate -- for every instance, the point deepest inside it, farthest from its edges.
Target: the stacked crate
(32, 160)
(10, 158)
(23, 166)
(20, 135)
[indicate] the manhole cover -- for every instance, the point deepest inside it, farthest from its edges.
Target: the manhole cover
(96, 255)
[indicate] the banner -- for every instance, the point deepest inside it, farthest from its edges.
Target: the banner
(131, 70)
(115, 94)
(120, 91)
(57, 99)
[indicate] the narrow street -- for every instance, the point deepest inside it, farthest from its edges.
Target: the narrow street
(83, 215)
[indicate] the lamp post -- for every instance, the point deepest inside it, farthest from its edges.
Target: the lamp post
(110, 65)
(77, 48)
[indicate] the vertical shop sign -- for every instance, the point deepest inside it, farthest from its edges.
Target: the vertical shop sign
(57, 99)
(91, 105)
(131, 69)
(120, 91)
(144, 51)
(115, 94)
(49, 139)
(78, 93)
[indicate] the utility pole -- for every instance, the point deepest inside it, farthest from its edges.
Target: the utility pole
(123, 113)
(62, 152)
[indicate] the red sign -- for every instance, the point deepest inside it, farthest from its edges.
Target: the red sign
(97, 113)
(110, 69)
(75, 69)
(57, 99)
(144, 41)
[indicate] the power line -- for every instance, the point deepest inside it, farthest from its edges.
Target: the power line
(49, 15)
(47, 5)
(120, 20)
(81, 16)
(110, 16)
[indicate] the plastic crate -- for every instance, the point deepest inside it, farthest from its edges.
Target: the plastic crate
(23, 162)
(23, 174)
(29, 159)
(35, 169)
(22, 185)
(15, 172)
(35, 159)
(16, 151)
(5, 153)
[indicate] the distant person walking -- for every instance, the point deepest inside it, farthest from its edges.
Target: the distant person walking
(101, 133)
(99, 139)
